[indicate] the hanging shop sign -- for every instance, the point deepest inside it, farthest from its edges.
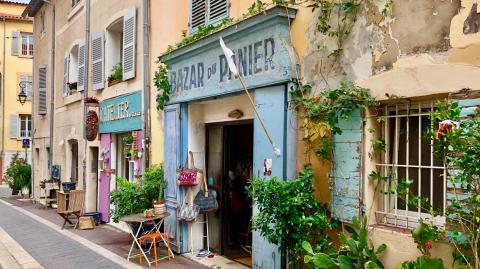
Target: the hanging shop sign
(122, 113)
(92, 125)
(263, 55)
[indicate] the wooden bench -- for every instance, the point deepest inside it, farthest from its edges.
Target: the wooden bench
(70, 204)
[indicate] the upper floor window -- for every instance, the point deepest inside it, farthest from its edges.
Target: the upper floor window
(42, 22)
(205, 12)
(114, 52)
(27, 81)
(75, 2)
(71, 71)
(27, 44)
(25, 125)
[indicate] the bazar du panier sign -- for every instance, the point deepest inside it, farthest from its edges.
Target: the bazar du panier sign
(121, 113)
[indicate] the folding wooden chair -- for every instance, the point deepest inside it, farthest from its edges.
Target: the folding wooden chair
(76, 202)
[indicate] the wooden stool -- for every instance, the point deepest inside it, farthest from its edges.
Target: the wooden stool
(153, 237)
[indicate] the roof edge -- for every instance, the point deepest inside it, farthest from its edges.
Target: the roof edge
(32, 8)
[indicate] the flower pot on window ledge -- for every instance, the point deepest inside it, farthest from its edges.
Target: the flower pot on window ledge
(72, 87)
(112, 82)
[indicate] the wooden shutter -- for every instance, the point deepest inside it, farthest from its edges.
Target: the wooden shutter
(347, 172)
(217, 10)
(98, 72)
(15, 43)
(29, 87)
(198, 13)
(129, 31)
(13, 126)
(66, 64)
(42, 91)
(81, 66)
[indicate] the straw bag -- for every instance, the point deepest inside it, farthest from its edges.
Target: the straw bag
(206, 200)
(187, 212)
(189, 177)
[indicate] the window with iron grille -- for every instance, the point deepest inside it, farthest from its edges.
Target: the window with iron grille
(409, 155)
(25, 125)
(27, 44)
(205, 12)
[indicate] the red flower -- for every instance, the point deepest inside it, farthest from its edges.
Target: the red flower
(428, 245)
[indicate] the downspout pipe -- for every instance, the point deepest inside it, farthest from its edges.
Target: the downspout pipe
(85, 89)
(52, 91)
(146, 82)
(3, 92)
(32, 132)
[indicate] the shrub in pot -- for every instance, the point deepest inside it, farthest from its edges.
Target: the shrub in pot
(18, 174)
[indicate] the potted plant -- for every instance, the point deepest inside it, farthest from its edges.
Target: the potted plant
(72, 86)
(116, 76)
(18, 175)
(128, 139)
(127, 151)
(154, 185)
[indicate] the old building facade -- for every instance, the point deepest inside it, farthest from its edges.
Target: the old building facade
(16, 69)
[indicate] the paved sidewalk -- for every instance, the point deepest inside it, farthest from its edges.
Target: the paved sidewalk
(104, 236)
(50, 248)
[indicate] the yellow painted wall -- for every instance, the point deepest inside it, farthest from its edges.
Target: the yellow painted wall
(167, 30)
(15, 66)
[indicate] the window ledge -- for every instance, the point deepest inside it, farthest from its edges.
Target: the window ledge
(25, 56)
(75, 10)
(72, 98)
(391, 229)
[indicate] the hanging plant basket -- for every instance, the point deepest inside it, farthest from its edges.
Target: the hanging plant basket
(92, 125)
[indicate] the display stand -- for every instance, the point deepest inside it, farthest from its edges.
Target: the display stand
(205, 221)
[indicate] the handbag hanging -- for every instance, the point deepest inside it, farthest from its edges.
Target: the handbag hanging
(186, 176)
(206, 200)
(188, 211)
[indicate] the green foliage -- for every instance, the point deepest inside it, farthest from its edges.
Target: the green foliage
(288, 213)
(321, 114)
(18, 174)
(355, 250)
(128, 139)
(422, 262)
(154, 183)
(131, 198)
(116, 73)
(128, 199)
(162, 84)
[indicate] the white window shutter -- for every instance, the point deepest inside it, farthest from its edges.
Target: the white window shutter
(13, 126)
(129, 33)
(42, 91)
(15, 43)
(29, 87)
(66, 64)
(98, 57)
(81, 67)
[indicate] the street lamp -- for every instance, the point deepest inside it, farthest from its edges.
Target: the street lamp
(22, 95)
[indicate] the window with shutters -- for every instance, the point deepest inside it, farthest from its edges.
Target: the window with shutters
(409, 154)
(71, 71)
(205, 12)
(114, 51)
(25, 125)
(42, 91)
(27, 44)
(27, 81)
(98, 60)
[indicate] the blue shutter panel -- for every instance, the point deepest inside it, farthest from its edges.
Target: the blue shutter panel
(172, 161)
(347, 170)
(270, 103)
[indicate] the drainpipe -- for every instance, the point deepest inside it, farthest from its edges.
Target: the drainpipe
(3, 93)
(32, 131)
(85, 89)
(146, 82)
(52, 91)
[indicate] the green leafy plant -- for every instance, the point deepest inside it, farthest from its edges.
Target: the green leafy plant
(18, 173)
(321, 114)
(288, 213)
(162, 84)
(128, 199)
(128, 139)
(116, 73)
(355, 250)
(154, 183)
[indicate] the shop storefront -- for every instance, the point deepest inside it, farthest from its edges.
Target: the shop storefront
(121, 147)
(210, 115)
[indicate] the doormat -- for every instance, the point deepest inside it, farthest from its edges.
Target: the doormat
(245, 261)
